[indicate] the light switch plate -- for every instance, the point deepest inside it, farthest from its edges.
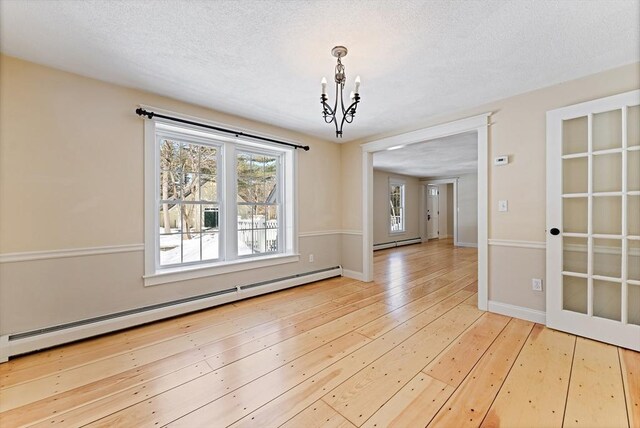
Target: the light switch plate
(503, 205)
(501, 160)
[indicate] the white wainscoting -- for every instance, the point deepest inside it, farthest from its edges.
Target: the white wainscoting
(519, 244)
(72, 252)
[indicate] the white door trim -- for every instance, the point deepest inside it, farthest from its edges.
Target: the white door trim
(480, 124)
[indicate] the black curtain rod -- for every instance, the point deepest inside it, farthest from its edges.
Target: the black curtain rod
(151, 115)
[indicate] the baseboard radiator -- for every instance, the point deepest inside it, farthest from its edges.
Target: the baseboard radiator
(29, 341)
(397, 243)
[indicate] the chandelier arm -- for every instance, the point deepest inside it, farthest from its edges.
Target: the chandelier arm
(335, 104)
(326, 109)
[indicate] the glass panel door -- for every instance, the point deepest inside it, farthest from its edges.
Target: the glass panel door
(593, 251)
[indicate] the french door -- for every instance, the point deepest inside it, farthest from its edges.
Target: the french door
(593, 219)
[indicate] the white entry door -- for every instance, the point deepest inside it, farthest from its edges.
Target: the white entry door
(593, 219)
(432, 211)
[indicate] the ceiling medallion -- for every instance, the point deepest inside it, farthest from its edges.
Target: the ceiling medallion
(347, 114)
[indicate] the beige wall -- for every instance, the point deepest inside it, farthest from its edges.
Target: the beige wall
(445, 219)
(517, 129)
(443, 211)
(71, 176)
(468, 209)
(381, 233)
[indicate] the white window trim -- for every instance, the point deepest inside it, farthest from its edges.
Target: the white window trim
(403, 183)
(153, 274)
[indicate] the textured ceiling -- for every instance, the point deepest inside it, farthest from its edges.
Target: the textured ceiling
(264, 59)
(445, 157)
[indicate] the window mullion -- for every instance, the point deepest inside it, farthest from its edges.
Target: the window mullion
(229, 207)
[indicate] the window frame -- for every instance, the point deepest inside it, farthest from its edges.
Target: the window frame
(402, 184)
(228, 259)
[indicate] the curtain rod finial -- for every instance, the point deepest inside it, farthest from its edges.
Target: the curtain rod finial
(142, 112)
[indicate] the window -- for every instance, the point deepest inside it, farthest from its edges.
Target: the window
(189, 208)
(217, 202)
(396, 206)
(258, 203)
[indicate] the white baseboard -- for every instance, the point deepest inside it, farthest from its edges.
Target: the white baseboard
(527, 314)
(19, 346)
(466, 244)
(353, 274)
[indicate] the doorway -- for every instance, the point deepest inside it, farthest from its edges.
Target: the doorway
(478, 125)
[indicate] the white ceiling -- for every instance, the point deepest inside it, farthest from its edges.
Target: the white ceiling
(264, 59)
(444, 157)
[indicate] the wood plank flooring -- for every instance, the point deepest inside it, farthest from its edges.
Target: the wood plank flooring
(407, 350)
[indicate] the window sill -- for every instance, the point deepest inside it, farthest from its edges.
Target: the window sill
(165, 276)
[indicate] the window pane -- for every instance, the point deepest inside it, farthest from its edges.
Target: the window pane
(633, 263)
(607, 215)
(574, 135)
(191, 218)
(633, 301)
(208, 160)
(607, 130)
(633, 126)
(190, 247)
(574, 215)
(210, 246)
(574, 175)
(210, 218)
(170, 249)
(574, 254)
(272, 228)
(245, 242)
(169, 155)
(633, 170)
(607, 299)
(190, 186)
(633, 215)
(190, 158)
(574, 294)
(607, 257)
(607, 173)
(170, 219)
(246, 178)
(170, 185)
(208, 188)
(245, 227)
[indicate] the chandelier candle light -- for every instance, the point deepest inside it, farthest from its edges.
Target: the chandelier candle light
(348, 113)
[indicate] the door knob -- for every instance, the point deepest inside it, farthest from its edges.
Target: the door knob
(555, 231)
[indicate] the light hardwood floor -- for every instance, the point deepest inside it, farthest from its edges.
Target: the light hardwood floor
(409, 350)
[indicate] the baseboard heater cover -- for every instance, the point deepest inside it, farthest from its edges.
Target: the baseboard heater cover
(399, 243)
(33, 340)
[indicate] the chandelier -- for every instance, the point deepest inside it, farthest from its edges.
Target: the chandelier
(329, 113)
